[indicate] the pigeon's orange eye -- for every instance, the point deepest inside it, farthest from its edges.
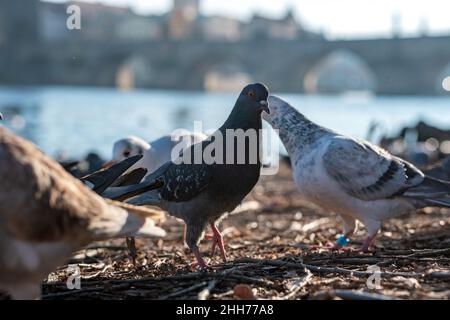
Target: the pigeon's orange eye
(250, 93)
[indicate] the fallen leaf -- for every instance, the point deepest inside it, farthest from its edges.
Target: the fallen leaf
(243, 292)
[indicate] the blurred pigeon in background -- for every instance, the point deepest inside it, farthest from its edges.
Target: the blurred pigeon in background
(355, 179)
(155, 153)
(201, 193)
(46, 215)
(440, 170)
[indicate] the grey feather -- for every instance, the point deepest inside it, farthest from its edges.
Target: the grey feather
(367, 171)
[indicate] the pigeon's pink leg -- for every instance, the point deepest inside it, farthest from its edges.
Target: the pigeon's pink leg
(218, 240)
(367, 243)
(200, 261)
(184, 233)
(208, 237)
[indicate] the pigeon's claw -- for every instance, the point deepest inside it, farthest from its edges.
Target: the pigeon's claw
(200, 261)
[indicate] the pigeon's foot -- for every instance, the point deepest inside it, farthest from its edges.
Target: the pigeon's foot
(200, 261)
(367, 243)
(131, 245)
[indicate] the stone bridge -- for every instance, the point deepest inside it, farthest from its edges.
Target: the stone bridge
(394, 66)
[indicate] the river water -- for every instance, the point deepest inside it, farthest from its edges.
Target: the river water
(76, 120)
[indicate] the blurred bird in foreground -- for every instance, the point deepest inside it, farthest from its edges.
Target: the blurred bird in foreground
(46, 215)
(355, 179)
(201, 192)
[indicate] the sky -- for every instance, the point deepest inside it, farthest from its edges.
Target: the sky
(336, 18)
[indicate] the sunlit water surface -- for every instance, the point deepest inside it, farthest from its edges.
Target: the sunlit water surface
(75, 121)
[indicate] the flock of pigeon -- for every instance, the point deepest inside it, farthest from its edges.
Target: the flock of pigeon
(46, 214)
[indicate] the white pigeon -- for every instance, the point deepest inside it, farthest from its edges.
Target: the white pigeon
(353, 178)
(155, 153)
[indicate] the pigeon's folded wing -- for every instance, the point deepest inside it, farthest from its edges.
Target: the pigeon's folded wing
(183, 182)
(368, 172)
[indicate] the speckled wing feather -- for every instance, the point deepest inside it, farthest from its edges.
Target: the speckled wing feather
(368, 172)
(182, 182)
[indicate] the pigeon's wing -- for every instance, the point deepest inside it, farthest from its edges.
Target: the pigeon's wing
(368, 172)
(182, 182)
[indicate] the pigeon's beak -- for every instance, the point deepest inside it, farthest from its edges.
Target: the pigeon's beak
(265, 106)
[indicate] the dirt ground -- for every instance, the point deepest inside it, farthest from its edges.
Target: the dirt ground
(269, 257)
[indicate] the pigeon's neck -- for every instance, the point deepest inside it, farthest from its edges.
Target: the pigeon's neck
(296, 131)
(242, 117)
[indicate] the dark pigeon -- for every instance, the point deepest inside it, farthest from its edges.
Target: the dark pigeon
(201, 193)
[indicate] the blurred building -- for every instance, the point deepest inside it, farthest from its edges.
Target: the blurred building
(19, 22)
(46, 22)
(183, 49)
(218, 28)
(140, 28)
(183, 19)
(52, 22)
(100, 21)
(261, 27)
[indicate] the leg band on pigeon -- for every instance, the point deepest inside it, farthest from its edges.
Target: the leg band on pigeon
(342, 241)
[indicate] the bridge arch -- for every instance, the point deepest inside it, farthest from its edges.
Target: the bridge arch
(134, 71)
(340, 71)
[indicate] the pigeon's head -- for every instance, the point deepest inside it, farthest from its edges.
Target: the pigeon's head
(256, 96)
(128, 147)
(277, 108)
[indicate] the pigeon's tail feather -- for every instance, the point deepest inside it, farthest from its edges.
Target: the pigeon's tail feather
(431, 191)
(101, 180)
(124, 220)
(151, 182)
(146, 199)
(439, 202)
(126, 192)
